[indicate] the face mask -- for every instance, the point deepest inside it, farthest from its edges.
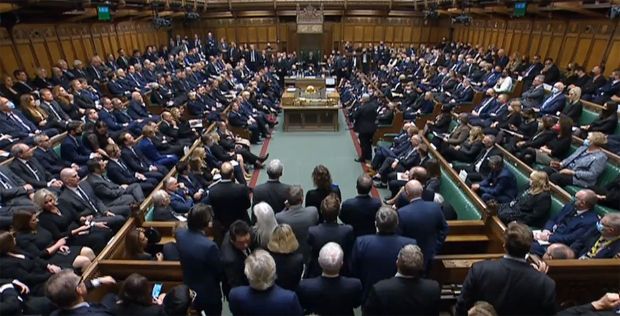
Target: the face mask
(586, 142)
(555, 90)
(11, 105)
(599, 226)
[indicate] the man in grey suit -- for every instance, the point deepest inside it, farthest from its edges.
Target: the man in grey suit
(110, 193)
(299, 218)
(273, 192)
(534, 96)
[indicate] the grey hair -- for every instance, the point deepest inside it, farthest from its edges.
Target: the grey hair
(19, 149)
(614, 221)
(159, 197)
(265, 223)
(331, 257)
(386, 220)
(410, 260)
(61, 288)
(260, 269)
(274, 169)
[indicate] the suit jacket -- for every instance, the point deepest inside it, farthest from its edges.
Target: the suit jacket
(56, 108)
(606, 125)
(424, 222)
(70, 201)
(21, 170)
(403, 296)
(135, 160)
(373, 257)
(513, 287)
(567, 226)
(120, 174)
(484, 156)
(459, 135)
(179, 202)
(582, 246)
(90, 309)
(365, 118)
(573, 110)
(139, 309)
(359, 212)
(105, 189)
(15, 129)
(17, 186)
(163, 213)
(587, 166)
(500, 184)
(533, 97)
(273, 192)
(230, 202)
(73, 150)
(272, 301)
(330, 296)
(147, 147)
(201, 265)
(300, 219)
(50, 160)
(137, 110)
(289, 267)
(553, 104)
(323, 233)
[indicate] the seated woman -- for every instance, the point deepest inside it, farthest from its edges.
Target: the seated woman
(38, 115)
(32, 271)
(79, 231)
(198, 168)
(556, 148)
(36, 241)
(525, 130)
(135, 246)
(510, 120)
(468, 150)
(606, 122)
(457, 136)
(499, 185)
(322, 180)
(8, 89)
(289, 263)
(135, 298)
(584, 166)
(573, 107)
(532, 206)
(98, 138)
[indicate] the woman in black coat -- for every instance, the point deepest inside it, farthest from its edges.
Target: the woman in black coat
(532, 206)
(289, 263)
(541, 138)
(557, 148)
(606, 123)
(79, 231)
(36, 241)
(573, 107)
(32, 271)
(322, 180)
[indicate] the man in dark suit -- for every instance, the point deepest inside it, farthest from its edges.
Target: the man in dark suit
(200, 261)
(120, 174)
(55, 111)
(237, 245)
(373, 256)
(329, 231)
(14, 194)
(510, 284)
(365, 126)
(330, 293)
(601, 241)
(68, 292)
(406, 293)
(360, 211)
(49, 159)
(30, 170)
(531, 72)
(79, 198)
(229, 200)
(550, 71)
(72, 149)
(300, 218)
(110, 193)
(499, 185)
(479, 169)
(422, 221)
(273, 192)
(555, 102)
(570, 223)
(534, 96)
(262, 294)
(135, 160)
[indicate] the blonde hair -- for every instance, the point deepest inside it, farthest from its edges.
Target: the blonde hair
(597, 138)
(283, 240)
(540, 182)
(40, 196)
(28, 106)
(476, 134)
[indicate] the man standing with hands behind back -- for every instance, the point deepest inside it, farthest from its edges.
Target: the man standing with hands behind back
(365, 126)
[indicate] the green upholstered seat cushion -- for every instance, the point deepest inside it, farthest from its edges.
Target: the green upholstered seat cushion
(462, 204)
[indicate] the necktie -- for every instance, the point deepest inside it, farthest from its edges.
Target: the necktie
(253, 59)
(85, 197)
(479, 163)
(137, 157)
(5, 181)
(19, 121)
(120, 163)
(34, 172)
(528, 70)
(51, 106)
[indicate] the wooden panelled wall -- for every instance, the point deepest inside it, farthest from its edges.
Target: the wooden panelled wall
(33, 45)
(587, 42)
(357, 30)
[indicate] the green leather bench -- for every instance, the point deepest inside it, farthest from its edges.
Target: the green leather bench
(460, 201)
(588, 116)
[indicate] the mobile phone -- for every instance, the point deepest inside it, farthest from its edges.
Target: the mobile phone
(156, 290)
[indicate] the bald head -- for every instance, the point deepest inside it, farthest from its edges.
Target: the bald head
(226, 170)
(413, 189)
